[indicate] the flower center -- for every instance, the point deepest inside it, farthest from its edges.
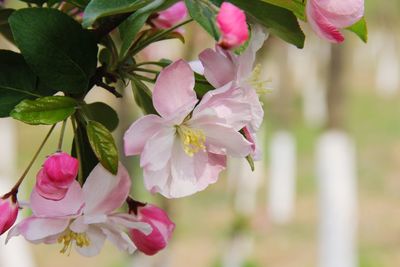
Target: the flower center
(192, 139)
(255, 81)
(81, 240)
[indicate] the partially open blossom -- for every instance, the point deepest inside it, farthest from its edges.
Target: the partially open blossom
(327, 17)
(162, 231)
(222, 67)
(232, 24)
(58, 173)
(171, 16)
(85, 217)
(184, 149)
(8, 212)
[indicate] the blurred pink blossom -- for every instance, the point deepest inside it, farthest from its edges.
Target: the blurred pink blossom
(171, 16)
(8, 212)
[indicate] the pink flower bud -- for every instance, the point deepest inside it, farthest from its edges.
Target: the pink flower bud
(57, 174)
(326, 17)
(162, 230)
(8, 212)
(171, 16)
(231, 22)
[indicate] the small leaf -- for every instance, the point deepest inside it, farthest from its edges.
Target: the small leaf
(103, 145)
(203, 14)
(143, 97)
(101, 8)
(296, 6)
(360, 29)
(102, 113)
(250, 160)
(202, 86)
(46, 110)
(55, 46)
(17, 82)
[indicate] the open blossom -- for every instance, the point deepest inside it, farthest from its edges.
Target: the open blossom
(327, 17)
(85, 217)
(162, 231)
(8, 212)
(184, 149)
(232, 24)
(58, 173)
(171, 16)
(222, 67)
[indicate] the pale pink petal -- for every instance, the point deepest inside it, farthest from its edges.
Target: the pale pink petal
(33, 228)
(218, 69)
(174, 89)
(118, 238)
(158, 148)
(79, 225)
(171, 16)
(70, 205)
(207, 168)
(257, 111)
(341, 13)
(105, 192)
(139, 132)
(157, 181)
(197, 66)
(129, 221)
(227, 139)
(96, 242)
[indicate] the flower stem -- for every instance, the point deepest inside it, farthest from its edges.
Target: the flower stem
(16, 186)
(78, 150)
(60, 141)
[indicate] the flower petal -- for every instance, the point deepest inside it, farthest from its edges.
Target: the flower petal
(174, 89)
(139, 132)
(118, 238)
(96, 242)
(70, 205)
(341, 13)
(105, 192)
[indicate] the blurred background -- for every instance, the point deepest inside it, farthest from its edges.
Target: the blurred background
(326, 192)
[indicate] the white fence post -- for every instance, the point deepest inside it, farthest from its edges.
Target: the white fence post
(336, 172)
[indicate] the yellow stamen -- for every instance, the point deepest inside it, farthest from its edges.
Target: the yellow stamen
(255, 81)
(192, 139)
(80, 239)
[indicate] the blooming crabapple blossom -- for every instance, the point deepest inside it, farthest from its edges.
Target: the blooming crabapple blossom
(58, 173)
(8, 212)
(221, 67)
(162, 231)
(326, 17)
(183, 149)
(171, 16)
(85, 217)
(232, 24)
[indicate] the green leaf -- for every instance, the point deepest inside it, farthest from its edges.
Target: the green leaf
(102, 113)
(46, 110)
(279, 21)
(296, 6)
(101, 8)
(5, 29)
(17, 82)
(202, 86)
(88, 159)
(205, 15)
(38, 2)
(55, 46)
(360, 29)
(103, 145)
(143, 97)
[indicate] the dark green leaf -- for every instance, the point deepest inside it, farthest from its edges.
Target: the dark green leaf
(296, 6)
(143, 97)
(102, 113)
(17, 82)
(38, 2)
(279, 21)
(103, 145)
(87, 156)
(58, 50)
(101, 8)
(5, 29)
(46, 110)
(204, 15)
(360, 29)
(202, 86)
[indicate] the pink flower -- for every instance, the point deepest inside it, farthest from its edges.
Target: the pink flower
(222, 67)
(171, 16)
(162, 226)
(184, 149)
(56, 176)
(8, 212)
(232, 24)
(85, 217)
(326, 17)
